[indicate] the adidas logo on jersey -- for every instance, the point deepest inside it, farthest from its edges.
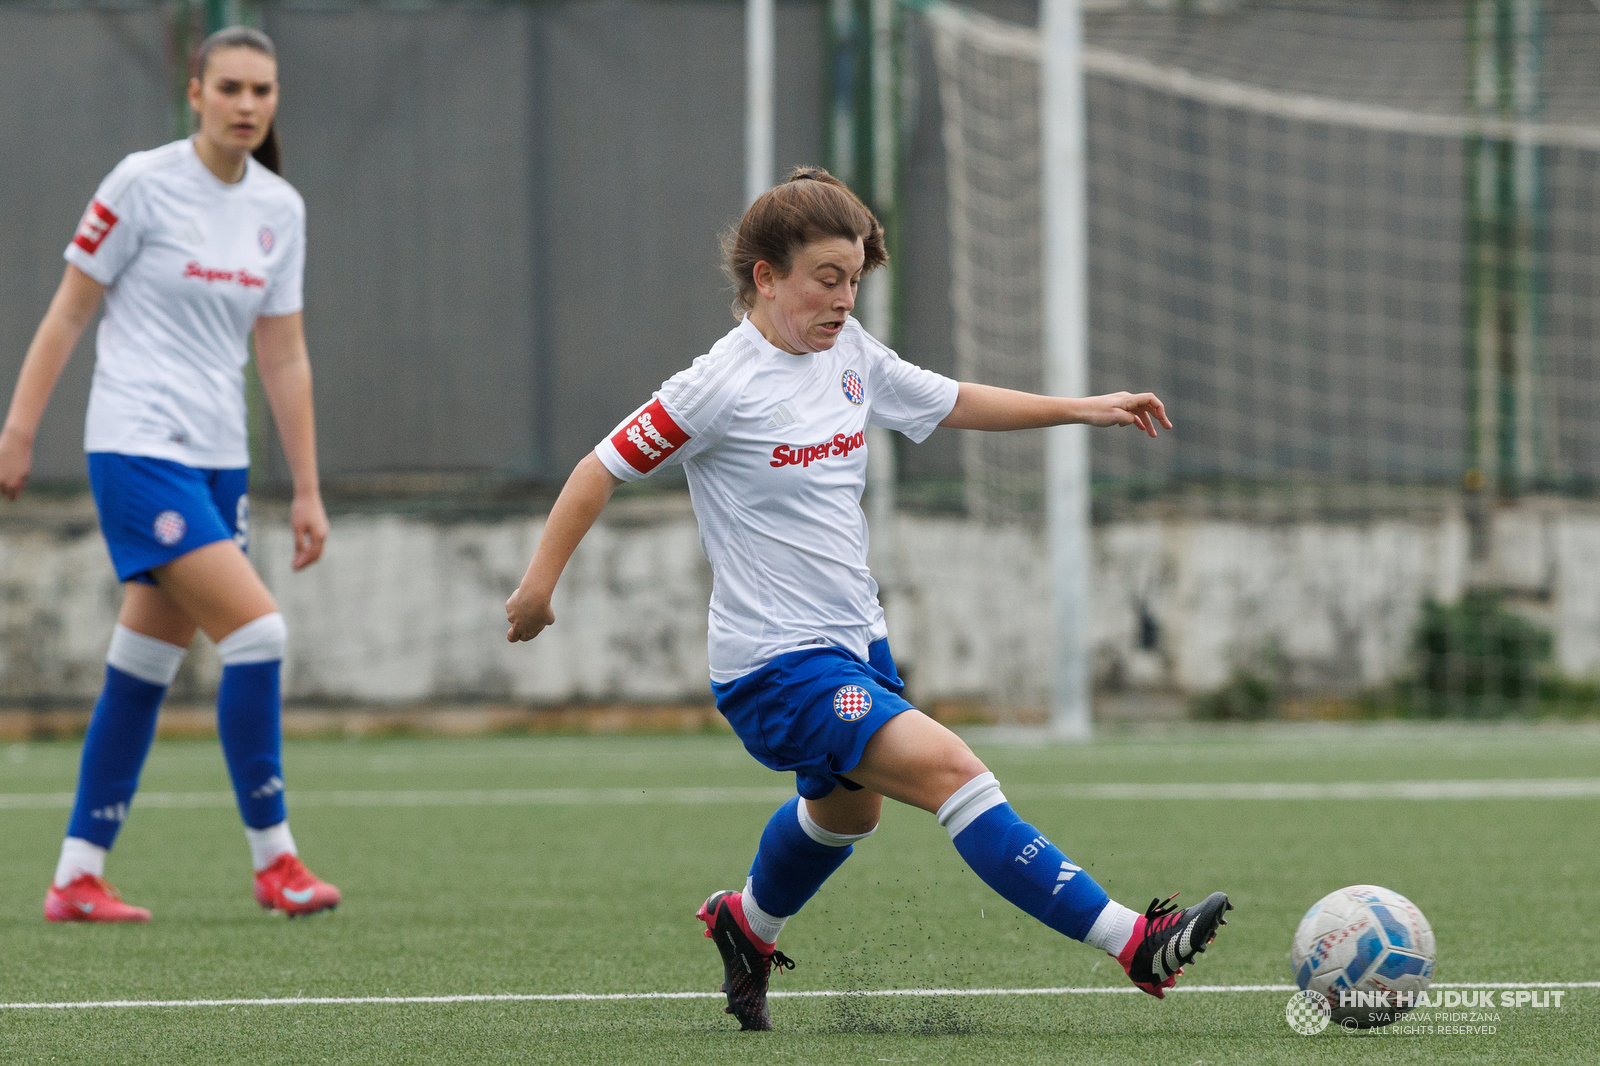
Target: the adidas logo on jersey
(781, 417)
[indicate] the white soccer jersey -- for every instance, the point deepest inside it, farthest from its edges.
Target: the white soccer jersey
(189, 262)
(774, 446)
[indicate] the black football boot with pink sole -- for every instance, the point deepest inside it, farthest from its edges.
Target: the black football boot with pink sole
(746, 960)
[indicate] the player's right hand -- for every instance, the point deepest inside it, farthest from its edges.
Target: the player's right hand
(16, 460)
(528, 611)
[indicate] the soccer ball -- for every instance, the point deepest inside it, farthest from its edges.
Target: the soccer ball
(1370, 943)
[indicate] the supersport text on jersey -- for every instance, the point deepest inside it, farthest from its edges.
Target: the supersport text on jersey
(189, 263)
(774, 446)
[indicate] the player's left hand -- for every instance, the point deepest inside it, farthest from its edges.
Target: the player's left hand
(309, 522)
(1142, 409)
(528, 610)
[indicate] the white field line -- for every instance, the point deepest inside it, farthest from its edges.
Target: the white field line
(1491, 788)
(593, 997)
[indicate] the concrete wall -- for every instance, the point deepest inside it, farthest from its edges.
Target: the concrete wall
(406, 609)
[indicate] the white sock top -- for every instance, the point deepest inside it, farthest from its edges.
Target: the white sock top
(1113, 929)
(764, 925)
(264, 640)
(79, 857)
(144, 657)
(968, 802)
(827, 837)
(267, 844)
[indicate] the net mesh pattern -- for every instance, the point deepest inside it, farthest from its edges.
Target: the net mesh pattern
(1355, 256)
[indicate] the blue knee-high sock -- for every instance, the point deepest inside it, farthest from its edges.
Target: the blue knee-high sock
(248, 721)
(1017, 861)
(790, 866)
(120, 734)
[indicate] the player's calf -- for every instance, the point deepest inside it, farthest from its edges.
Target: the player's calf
(1023, 865)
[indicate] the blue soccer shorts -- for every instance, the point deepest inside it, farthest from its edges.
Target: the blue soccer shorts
(812, 711)
(154, 510)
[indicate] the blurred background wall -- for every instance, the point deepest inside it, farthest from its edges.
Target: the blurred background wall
(514, 212)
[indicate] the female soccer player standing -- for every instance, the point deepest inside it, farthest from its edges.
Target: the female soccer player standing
(192, 245)
(770, 427)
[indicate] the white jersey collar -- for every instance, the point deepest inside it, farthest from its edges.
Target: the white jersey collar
(748, 330)
(214, 182)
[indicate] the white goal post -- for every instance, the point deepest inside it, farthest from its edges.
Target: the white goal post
(1066, 357)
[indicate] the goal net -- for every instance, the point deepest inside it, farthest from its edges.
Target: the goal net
(1355, 248)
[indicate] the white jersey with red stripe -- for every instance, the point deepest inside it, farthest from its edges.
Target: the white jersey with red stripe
(189, 262)
(774, 446)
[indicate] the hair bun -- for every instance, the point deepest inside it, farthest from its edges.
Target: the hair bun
(783, 219)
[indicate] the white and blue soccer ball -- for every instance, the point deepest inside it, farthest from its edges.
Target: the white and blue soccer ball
(1367, 950)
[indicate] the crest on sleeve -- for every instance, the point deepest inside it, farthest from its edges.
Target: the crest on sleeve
(96, 227)
(854, 391)
(645, 440)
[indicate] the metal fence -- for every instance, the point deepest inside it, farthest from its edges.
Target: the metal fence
(513, 210)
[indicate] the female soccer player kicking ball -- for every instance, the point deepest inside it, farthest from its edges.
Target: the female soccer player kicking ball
(770, 428)
(192, 245)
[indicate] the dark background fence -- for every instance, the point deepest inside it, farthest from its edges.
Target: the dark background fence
(514, 213)
(513, 209)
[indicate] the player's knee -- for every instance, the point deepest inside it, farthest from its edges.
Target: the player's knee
(954, 765)
(963, 765)
(264, 640)
(844, 825)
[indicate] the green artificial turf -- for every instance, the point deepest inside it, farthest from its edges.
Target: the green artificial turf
(554, 898)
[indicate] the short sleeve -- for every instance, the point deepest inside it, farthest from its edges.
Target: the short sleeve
(286, 289)
(907, 398)
(111, 231)
(689, 414)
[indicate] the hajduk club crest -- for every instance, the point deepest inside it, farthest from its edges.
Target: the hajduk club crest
(854, 391)
(169, 527)
(852, 702)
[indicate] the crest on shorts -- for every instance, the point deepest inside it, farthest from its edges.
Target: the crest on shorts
(170, 527)
(852, 702)
(854, 391)
(265, 238)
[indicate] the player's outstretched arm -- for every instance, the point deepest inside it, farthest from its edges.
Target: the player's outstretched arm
(70, 311)
(991, 408)
(582, 499)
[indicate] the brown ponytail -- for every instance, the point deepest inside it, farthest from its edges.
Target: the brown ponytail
(267, 152)
(812, 205)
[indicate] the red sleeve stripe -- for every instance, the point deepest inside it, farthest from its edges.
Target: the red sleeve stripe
(646, 439)
(96, 225)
